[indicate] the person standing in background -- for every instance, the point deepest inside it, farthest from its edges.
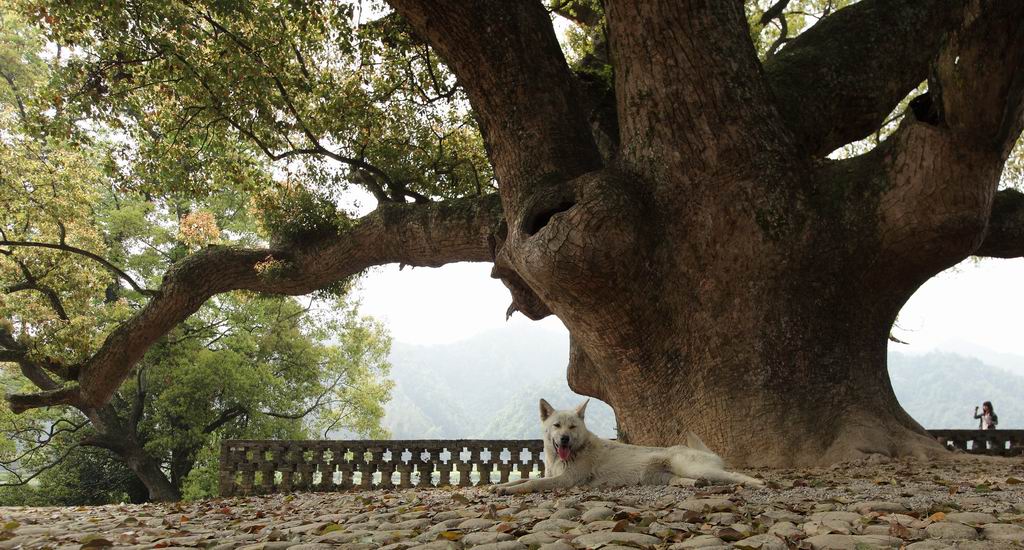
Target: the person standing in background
(988, 419)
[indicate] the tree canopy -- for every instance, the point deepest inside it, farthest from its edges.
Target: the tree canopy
(87, 234)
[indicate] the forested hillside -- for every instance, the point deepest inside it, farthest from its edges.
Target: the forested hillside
(488, 387)
(940, 390)
(485, 387)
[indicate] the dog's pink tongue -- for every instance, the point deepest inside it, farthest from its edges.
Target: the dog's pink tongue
(563, 452)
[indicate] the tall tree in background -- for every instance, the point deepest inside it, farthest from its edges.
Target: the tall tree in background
(74, 228)
(674, 197)
(246, 367)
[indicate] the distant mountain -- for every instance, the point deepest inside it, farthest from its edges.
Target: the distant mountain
(1008, 361)
(488, 386)
(520, 417)
(940, 390)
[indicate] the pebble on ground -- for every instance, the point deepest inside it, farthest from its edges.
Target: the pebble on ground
(968, 503)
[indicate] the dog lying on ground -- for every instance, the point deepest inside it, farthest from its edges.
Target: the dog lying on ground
(574, 456)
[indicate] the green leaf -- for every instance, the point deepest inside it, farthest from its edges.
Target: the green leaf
(330, 528)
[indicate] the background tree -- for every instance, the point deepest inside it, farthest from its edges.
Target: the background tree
(679, 197)
(88, 476)
(74, 228)
(251, 372)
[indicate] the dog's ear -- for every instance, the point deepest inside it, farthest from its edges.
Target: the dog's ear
(545, 410)
(582, 409)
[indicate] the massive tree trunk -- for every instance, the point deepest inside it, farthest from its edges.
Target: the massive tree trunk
(716, 271)
(717, 274)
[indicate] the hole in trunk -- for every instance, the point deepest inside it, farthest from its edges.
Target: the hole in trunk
(539, 219)
(926, 109)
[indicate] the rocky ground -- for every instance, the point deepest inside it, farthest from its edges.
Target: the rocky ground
(968, 503)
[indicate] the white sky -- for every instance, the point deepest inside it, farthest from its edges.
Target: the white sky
(425, 305)
(978, 303)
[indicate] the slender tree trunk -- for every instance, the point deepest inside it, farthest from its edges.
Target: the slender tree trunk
(182, 461)
(151, 475)
(114, 435)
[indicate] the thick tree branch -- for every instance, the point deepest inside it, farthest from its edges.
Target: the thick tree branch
(691, 96)
(1004, 237)
(943, 165)
(35, 374)
(836, 82)
(508, 58)
(782, 39)
(68, 395)
(977, 82)
(420, 235)
(101, 441)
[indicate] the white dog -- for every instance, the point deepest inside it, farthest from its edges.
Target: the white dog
(574, 456)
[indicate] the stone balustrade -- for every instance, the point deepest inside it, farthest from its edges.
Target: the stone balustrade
(991, 442)
(259, 467)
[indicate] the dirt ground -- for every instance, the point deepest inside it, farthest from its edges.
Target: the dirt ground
(968, 502)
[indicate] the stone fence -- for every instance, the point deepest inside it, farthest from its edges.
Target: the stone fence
(259, 467)
(991, 442)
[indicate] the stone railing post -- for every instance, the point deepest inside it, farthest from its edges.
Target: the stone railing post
(485, 466)
(444, 468)
(226, 472)
(464, 466)
(423, 457)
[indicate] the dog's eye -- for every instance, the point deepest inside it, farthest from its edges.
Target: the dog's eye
(557, 425)
(572, 427)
